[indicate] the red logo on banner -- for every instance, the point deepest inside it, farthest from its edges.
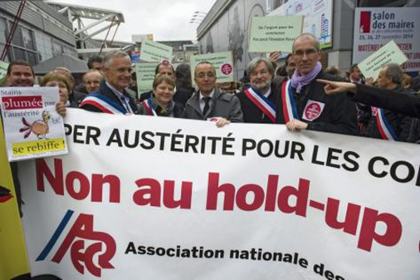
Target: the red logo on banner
(22, 102)
(226, 69)
(86, 245)
(365, 18)
(313, 111)
(82, 254)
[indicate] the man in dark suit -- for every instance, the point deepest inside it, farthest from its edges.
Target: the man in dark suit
(112, 96)
(209, 103)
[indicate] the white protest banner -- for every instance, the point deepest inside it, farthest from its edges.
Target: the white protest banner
(268, 34)
(222, 62)
(32, 126)
(155, 52)
(145, 73)
(164, 198)
(389, 53)
(375, 27)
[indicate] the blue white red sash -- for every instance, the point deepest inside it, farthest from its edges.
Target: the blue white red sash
(103, 103)
(384, 126)
(262, 102)
(149, 108)
(288, 101)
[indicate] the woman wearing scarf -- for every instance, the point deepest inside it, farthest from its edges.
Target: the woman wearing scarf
(161, 102)
(303, 104)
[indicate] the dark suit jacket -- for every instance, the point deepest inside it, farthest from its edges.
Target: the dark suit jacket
(338, 116)
(107, 92)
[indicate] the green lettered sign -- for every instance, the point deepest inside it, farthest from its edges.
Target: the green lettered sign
(268, 34)
(222, 62)
(389, 53)
(155, 52)
(145, 73)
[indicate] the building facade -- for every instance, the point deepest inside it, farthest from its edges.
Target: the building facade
(41, 34)
(227, 24)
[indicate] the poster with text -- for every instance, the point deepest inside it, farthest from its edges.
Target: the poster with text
(155, 52)
(269, 34)
(318, 16)
(222, 62)
(32, 126)
(375, 27)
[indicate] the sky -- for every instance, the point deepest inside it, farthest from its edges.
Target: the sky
(165, 19)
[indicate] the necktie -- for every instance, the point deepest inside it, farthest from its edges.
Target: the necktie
(207, 105)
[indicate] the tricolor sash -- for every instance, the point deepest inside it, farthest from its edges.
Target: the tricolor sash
(385, 128)
(262, 102)
(149, 108)
(288, 101)
(104, 104)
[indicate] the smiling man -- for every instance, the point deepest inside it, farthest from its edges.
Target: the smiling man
(303, 104)
(112, 96)
(209, 103)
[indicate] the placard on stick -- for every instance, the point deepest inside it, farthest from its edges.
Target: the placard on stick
(268, 34)
(389, 53)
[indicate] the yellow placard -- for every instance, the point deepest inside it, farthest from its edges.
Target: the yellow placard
(13, 257)
(38, 147)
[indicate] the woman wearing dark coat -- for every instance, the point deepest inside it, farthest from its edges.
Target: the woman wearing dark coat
(161, 102)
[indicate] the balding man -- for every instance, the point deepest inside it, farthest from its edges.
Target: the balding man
(92, 79)
(112, 97)
(303, 103)
(209, 103)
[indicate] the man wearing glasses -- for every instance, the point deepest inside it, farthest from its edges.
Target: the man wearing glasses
(209, 103)
(303, 104)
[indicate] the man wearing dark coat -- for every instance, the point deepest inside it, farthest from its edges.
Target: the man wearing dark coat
(112, 96)
(303, 104)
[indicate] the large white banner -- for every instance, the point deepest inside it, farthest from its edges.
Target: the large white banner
(156, 198)
(375, 27)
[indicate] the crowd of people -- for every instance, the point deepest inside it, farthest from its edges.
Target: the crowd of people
(299, 94)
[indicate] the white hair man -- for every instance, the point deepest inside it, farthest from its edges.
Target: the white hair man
(112, 96)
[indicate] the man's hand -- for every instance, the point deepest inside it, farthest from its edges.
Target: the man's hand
(61, 108)
(369, 81)
(221, 122)
(296, 125)
(274, 56)
(337, 87)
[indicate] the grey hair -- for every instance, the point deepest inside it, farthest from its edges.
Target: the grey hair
(394, 72)
(308, 36)
(254, 63)
(113, 54)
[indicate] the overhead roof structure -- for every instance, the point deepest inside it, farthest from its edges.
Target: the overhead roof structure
(76, 13)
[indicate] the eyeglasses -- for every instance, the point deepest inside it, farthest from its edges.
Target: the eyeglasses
(210, 75)
(309, 52)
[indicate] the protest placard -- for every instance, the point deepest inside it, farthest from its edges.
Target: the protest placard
(222, 62)
(32, 126)
(389, 53)
(183, 199)
(268, 34)
(155, 52)
(145, 73)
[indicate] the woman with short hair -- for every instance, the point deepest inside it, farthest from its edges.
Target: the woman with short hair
(161, 103)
